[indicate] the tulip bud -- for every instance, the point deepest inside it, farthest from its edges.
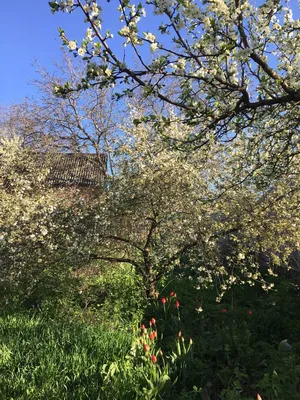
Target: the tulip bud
(153, 359)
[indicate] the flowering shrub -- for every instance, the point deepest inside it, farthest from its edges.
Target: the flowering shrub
(152, 368)
(37, 241)
(148, 371)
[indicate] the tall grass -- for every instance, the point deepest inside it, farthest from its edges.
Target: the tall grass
(54, 359)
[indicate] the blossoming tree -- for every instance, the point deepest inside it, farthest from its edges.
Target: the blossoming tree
(39, 231)
(163, 203)
(160, 204)
(155, 207)
(236, 65)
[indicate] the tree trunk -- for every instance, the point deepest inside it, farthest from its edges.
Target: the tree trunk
(149, 289)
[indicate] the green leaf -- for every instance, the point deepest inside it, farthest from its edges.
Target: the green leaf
(54, 6)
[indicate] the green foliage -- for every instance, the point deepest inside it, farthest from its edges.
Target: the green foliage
(236, 351)
(41, 358)
(111, 293)
(147, 372)
(248, 344)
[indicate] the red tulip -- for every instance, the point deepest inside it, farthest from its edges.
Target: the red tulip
(146, 347)
(153, 321)
(224, 310)
(163, 300)
(153, 359)
(172, 294)
(143, 327)
(151, 335)
(177, 304)
(249, 312)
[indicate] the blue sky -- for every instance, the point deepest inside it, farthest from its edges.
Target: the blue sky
(28, 32)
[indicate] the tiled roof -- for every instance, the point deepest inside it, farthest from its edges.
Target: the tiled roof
(77, 169)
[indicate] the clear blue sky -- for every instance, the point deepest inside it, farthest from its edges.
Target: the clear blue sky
(28, 32)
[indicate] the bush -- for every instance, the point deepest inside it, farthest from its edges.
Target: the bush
(112, 293)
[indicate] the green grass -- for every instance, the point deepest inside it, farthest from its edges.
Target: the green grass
(235, 355)
(52, 359)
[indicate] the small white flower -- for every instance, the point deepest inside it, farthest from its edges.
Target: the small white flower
(97, 23)
(181, 63)
(124, 31)
(81, 51)
(95, 10)
(153, 47)
(72, 45)
(89, 34)
(149, 36)
(44, 231)
(108, 72)
(173, 66)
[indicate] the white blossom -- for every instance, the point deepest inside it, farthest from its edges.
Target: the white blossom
(125, 31)
(72, 45)
(153, 47)
(149, 36)
(81, 51)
